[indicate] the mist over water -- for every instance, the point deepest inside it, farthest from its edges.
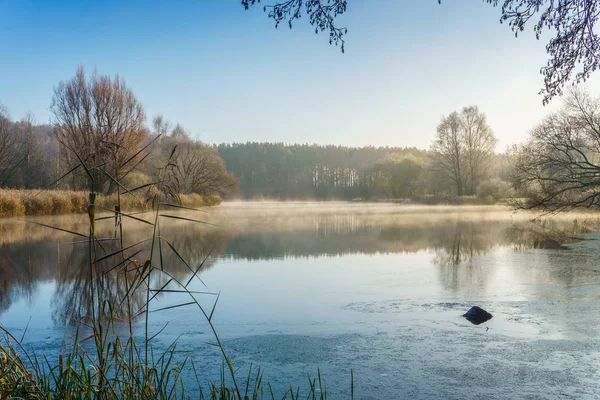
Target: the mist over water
(376, 288)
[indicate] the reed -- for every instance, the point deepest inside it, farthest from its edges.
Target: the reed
(107, 364)
(19, 203)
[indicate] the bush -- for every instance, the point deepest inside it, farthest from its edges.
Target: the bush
(37, 204)
(79, 202)
(211, 201)
(494, 188)
(11, 205)
(61, 202)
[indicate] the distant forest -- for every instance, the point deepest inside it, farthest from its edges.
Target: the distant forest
(302, 171)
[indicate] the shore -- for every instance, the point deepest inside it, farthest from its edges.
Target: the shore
(19, 203)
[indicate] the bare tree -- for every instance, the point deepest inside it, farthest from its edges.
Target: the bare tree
(462, 149)
(575, 44)
(11, 155)
(479, 142)
(559, 167)
(7, 141)
(100, 120)
(161, 126)
(321, 15)
(180, 132)
(448, 151)
(29, 149)
(197, 168)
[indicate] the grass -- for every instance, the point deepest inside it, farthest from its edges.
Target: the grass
(101, 361)
(18, 203)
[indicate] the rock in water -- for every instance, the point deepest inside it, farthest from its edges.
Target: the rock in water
(477, 315)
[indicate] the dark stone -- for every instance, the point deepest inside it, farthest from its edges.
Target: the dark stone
(477, 315)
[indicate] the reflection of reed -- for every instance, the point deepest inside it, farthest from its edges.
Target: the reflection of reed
(72, 300)
(24, 263)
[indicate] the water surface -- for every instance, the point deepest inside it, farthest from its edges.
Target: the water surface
(374, 288)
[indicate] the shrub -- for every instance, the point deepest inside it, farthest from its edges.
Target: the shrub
(37, 204)
(212, 201)
(61, 202)
(494, 188)
(79, 202)
(10, 205)
(192, 200)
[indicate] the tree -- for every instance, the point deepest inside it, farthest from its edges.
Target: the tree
(559, 167)
(462, 149)
(11, 155)
(100, 121)
(574, 45)
(194, 167)
(448, 151)
(29, 152)
(479, 143)
(161, 125)
(321, 15)
(179, 132)
(397, 174)
(200, 170)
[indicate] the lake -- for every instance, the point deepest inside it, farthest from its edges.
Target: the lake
(378, 289)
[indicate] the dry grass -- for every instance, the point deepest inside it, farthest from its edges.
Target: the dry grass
(18, 203)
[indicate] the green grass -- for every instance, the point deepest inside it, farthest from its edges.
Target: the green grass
(105, 364)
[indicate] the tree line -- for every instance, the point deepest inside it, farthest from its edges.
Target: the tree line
(98, 120)
(556, 169)
(302, 171)
(460, 162)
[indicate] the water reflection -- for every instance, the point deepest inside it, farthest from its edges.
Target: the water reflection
(72, 301)
(31, 254)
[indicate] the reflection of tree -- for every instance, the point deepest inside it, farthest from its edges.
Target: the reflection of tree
(456, 244)
(459, 242)
(455, 240)
(22, 266)
(455, 248)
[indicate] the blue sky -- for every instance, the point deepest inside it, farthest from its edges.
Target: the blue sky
(228, 75)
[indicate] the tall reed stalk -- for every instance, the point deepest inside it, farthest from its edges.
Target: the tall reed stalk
(100, 363)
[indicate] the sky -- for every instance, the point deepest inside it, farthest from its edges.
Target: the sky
(227, 75)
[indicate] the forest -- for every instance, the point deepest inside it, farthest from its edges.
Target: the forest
(461, 163)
